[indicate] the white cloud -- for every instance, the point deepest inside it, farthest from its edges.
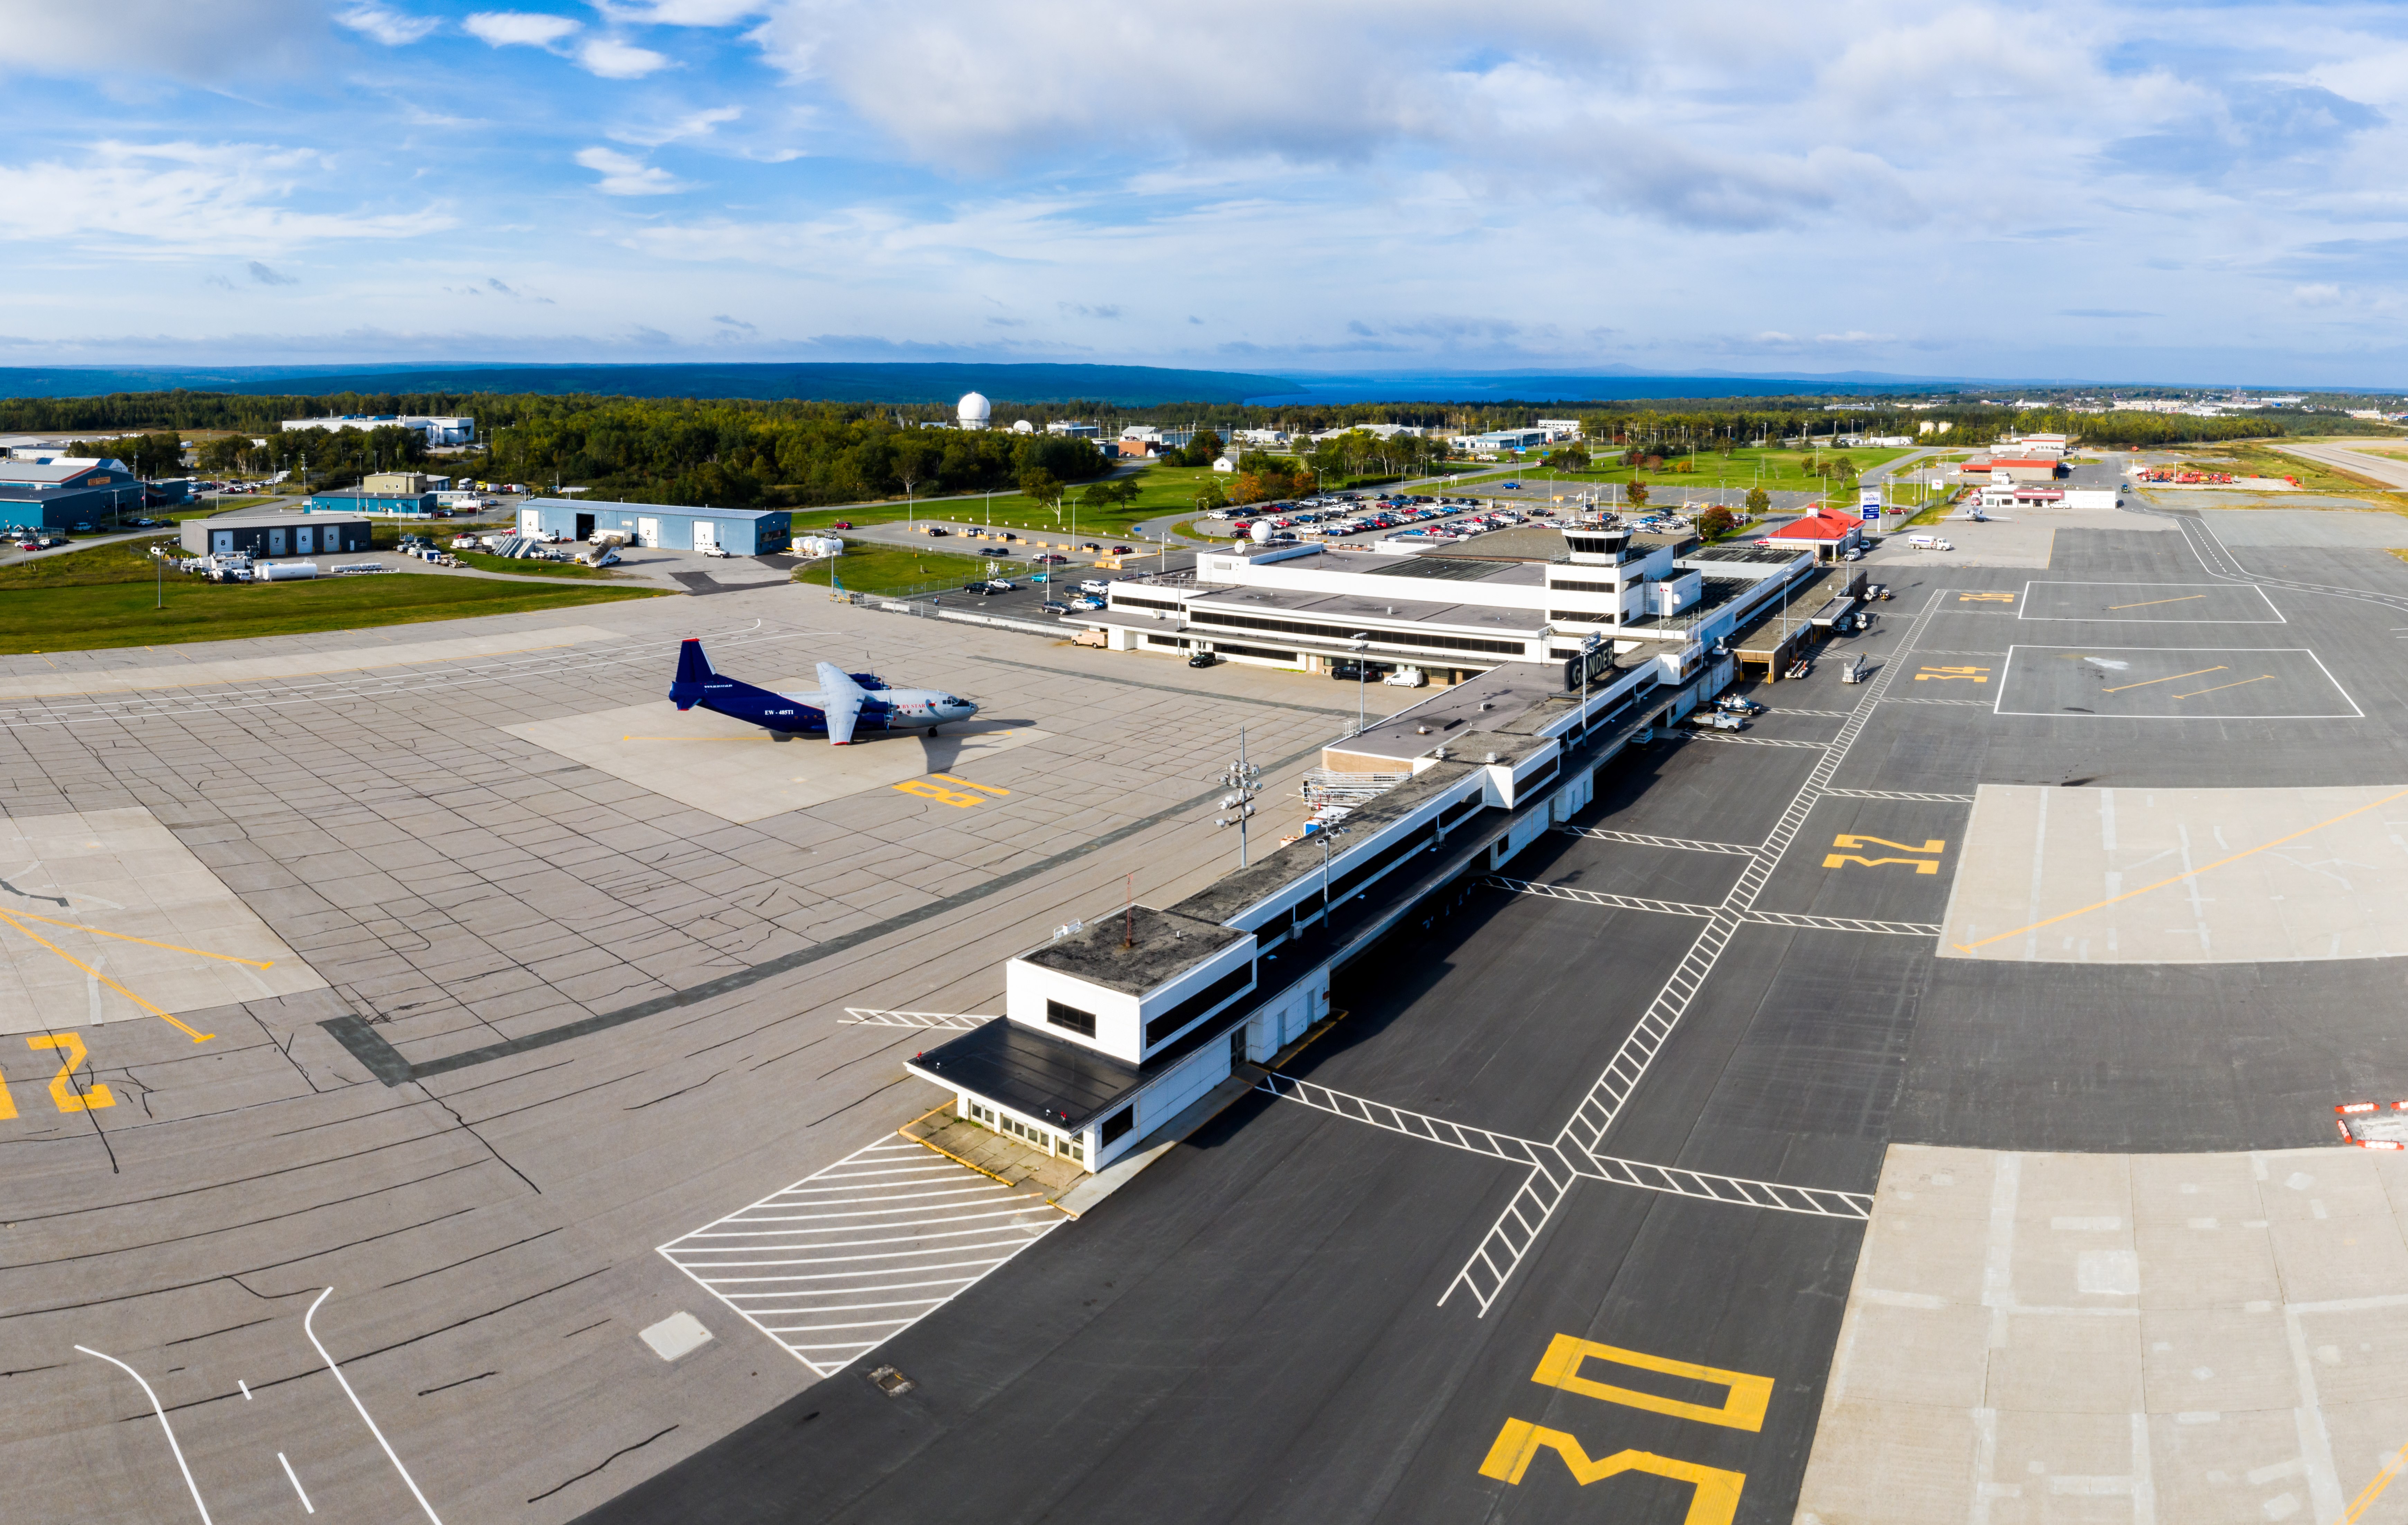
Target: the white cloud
(625, 176)
(520, 28)
(694, 125)
(166, 197)
(613, 59)
(391, 27)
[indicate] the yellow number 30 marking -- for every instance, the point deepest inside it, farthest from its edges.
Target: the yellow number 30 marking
(63, 1085)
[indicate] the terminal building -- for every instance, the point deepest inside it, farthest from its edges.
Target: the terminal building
(1120, 1023)
(1562, 657)
(740, 532)
(437, 430)
(1529, 595)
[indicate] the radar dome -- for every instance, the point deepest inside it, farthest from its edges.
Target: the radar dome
(974, 410)
(1261, 533)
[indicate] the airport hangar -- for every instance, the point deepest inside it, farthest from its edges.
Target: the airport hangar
(740, 532)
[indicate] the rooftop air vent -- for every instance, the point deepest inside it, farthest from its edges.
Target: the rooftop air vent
(1421, 730)
(1490, 757)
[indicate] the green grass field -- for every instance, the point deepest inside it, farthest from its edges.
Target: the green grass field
(869, 567)
(104, 597)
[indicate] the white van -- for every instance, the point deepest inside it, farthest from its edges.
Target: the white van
(1406, 677)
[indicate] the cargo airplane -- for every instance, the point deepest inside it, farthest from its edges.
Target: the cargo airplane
(846, 701)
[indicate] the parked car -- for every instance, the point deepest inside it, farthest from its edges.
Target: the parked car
(1000, 586)
(842, 524)
(1055, 605)
(937, 530)
(1050, 559)
(1093, 546)
(83, 529)
(1204, 659)
(716, 549)
(1123, 550)
(1406, 677)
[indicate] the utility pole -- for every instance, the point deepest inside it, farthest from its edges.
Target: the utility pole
(1327, 834)
(1361, 641)
(1243, 780)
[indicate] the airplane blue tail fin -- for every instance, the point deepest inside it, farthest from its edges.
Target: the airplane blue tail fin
(697, 684)
(692, 672)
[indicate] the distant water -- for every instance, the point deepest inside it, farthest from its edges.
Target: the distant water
(1524, 387)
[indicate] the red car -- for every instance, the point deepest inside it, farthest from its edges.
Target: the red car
(843, 524)
(1123, 550)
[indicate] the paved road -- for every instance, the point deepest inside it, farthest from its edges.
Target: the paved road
(2390, 470)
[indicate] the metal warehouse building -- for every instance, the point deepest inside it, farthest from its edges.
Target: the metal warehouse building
(742, 531)
(276, 532)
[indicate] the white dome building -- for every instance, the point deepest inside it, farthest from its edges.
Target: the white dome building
(1024, 427)
(973, 411)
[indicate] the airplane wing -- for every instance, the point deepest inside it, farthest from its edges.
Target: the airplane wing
(842, 703)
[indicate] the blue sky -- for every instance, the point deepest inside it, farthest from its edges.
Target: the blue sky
(2205, 194)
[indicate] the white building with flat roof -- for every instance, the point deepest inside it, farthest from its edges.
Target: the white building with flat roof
(439, 430)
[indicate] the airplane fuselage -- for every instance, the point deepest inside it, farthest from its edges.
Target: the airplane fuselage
(843, 704)
(885, 709)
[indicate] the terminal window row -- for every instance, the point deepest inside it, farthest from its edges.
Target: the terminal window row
(1339, 633)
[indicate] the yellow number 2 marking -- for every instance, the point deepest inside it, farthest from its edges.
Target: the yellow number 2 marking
(1715, 1501)
(939, 792)
(1961, 675)
(63, 1085)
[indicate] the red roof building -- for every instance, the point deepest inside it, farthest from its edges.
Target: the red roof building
(1829, 530)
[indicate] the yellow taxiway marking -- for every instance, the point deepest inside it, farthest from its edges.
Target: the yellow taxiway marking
(128, 937)
(1970, 675)
(2155, 602)
(160, 1012)
(2374, 1489)
(63, 1085)
(939, 793)
(984, 789)
(1935, 844)
(2194, 693)
(2192, 874)
(2145, 682)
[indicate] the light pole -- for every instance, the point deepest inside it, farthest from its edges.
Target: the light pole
(1588, 649)
(1243, 780)
(1361, 642)
(1325, 833)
